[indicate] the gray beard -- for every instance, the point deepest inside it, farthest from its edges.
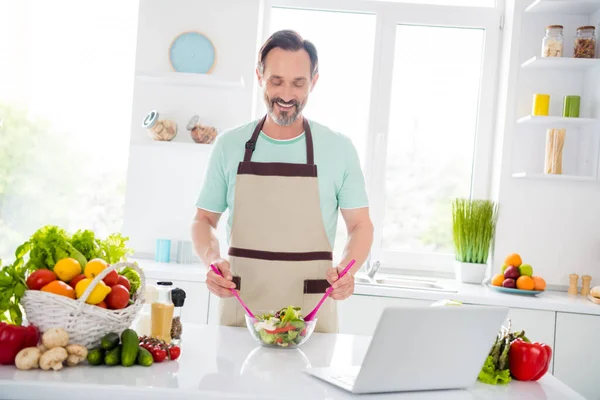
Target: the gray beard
(285, 118)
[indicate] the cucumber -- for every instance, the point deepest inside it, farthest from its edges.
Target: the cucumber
(110, 341)
(144, 357)
(130, 345)
(95, 357)
(113, 357)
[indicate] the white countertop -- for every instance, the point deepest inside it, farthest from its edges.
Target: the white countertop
(226, 363)
(467, 293)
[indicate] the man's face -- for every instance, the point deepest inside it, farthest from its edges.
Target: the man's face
(286, 84)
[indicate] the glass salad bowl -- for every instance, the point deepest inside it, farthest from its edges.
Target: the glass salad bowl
(285, 328)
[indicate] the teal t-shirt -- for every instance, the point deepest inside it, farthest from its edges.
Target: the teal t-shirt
(341, 181)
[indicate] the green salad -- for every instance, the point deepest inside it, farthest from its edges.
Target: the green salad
(284, 328)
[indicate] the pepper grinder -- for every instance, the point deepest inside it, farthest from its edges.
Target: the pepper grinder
(573, 284)
(585, 287)
(178, 297)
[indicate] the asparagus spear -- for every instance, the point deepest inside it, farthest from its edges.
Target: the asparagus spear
(502, 364)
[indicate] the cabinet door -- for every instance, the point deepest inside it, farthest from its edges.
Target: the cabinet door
(538, 325)
(577, 353)
(195, 308)
(359, 315)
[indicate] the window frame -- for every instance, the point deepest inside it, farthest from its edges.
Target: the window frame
(388, 16)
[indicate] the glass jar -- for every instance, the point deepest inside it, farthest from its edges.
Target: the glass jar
(162, 312)
(178, 297)
(585, 42)
(553, 42)
(163, 129)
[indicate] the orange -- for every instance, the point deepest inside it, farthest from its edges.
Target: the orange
(514, 260)
(60, 288)
(498, 279)
(525, 282)
(539, 283)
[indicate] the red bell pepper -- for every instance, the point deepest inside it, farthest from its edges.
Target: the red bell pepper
(281, 330)
(14, 338)
(528, 361)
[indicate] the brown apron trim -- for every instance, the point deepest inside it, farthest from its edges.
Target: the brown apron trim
(280, 256)
(316, 286)
(238, 282)
(251, 144)
(276, 169)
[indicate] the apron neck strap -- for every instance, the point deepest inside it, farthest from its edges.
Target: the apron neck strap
(251, 144)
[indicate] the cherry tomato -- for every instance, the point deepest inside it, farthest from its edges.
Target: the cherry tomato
(174, 352)
(158, 354)
(40, 278)
(124, 281)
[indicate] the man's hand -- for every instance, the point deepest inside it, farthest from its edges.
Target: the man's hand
(342, 287)
(220, 286)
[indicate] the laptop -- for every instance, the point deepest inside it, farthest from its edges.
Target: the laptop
(422, 348)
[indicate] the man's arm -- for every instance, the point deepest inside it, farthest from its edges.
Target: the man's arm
(358, 246)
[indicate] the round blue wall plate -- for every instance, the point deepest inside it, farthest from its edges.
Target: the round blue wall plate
(192, 52)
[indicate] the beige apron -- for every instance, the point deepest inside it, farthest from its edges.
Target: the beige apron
(279, 251)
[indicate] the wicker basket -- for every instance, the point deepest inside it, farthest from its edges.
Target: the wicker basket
(85, 323)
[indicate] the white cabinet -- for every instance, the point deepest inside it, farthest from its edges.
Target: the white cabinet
(577, 353)
(359, 315)
(195, 308)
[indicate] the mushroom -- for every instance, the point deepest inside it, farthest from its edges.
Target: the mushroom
(55, 337)
(53, 359)
(28, 358)
(42, 348)
(77, 354)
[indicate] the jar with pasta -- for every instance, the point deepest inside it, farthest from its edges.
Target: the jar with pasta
(160, 128)
(553, 42)
(585, 42)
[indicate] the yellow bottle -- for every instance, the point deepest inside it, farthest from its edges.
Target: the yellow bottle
(541, 104)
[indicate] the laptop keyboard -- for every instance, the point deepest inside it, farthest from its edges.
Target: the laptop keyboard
(347, 378)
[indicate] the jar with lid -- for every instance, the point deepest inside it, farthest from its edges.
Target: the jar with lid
(161, 312)
(178, 297)
(160, 128)
(585, 42)
(553, 42)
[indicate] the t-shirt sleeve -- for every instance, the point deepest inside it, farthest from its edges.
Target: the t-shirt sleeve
(213, 194)
(353, 193)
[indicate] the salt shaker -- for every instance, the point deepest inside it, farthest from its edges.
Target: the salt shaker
(178, 297)
(585, 286)
(573, 278)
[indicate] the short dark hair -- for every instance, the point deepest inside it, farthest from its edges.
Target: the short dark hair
(289, 40)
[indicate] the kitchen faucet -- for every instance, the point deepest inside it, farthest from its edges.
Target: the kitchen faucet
(372, 268)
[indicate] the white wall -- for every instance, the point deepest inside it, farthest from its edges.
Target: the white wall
(554, 225)
(164, 178)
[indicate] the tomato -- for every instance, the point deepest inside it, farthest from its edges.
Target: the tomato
(124, 281)
(174, 352)
(112, 278)
(40, 278)
(158, 354)
(118, 297)
(73, 282)
(102, 304)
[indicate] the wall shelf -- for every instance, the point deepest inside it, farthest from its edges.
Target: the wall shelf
(561, 63)
(564, 6)
(557, 122)
(188, 79)
(553, 177)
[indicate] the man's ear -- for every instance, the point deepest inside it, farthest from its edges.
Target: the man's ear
(314, 81)
(259, 77)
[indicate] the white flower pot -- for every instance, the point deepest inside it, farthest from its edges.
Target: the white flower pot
(469, 272)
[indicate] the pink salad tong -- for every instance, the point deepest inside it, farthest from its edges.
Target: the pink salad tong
(312, 314)
(237, 296)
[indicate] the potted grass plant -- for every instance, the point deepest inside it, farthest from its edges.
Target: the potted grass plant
(473, 230)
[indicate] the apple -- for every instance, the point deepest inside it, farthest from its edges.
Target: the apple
(512, 272)
(509, 283)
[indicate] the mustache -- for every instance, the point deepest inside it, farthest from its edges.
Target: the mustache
(287, 103)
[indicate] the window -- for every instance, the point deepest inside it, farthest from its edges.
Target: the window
(421, 117)
(66, 89)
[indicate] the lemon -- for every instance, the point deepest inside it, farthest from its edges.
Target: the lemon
(67, 269)
(98, 294)
(94, 267)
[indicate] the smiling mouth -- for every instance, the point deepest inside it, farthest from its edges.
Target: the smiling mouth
(285, 106)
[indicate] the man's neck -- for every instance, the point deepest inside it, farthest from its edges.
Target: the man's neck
(278, 132)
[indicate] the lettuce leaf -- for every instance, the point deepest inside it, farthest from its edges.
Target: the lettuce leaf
(134, 279)
(86, 242)
(490, 375)
(48, 245)
(113, 249)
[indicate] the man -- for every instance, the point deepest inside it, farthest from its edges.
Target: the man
(283, 179)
